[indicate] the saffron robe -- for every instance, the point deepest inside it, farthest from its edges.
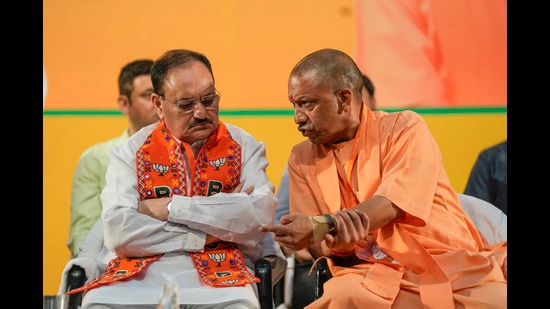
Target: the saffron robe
(436, 244)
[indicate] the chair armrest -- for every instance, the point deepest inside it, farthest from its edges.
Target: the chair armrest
(322, 273)
(76, 277)
(263, 270)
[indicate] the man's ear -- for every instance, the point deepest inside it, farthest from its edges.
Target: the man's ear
(345, 96)
(155, 98)
(123, 104)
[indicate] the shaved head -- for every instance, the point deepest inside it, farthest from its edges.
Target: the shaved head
(331, 68)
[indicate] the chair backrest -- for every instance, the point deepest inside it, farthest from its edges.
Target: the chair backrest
(489, 220)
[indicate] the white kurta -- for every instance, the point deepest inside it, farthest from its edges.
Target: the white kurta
(229, 216)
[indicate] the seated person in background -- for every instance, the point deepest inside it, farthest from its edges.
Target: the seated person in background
(183, 201)
(134, 101)
(367, 93)
(489, 178)
(368, 192)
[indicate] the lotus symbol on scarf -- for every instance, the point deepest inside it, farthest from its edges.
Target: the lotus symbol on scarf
(217, 163)
(217, 257)
(160, 168)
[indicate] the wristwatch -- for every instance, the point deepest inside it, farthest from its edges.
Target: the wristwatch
(331, 224)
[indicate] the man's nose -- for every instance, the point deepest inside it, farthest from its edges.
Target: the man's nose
(299, 116)
(199, 111)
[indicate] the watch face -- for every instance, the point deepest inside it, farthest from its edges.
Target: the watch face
(331, 225)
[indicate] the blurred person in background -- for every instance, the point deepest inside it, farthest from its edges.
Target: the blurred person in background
(134, 101)
(489, 177)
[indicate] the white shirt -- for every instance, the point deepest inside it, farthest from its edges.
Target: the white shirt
(229, 216)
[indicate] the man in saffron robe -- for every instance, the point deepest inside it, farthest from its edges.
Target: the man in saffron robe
(368, 192)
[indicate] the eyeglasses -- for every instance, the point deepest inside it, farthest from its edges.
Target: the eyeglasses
(187, 106)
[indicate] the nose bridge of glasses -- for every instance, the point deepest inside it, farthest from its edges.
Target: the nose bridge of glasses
(197, 104)
(207, 102)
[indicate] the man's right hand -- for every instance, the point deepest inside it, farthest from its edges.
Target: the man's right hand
(294, 232)
(155, 207)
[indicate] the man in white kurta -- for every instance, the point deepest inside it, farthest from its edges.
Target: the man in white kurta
(183, 223)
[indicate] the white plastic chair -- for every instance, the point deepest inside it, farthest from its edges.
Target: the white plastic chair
(489, 220)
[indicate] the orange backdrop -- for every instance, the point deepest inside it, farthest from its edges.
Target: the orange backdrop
(252, 44)
(434, 52)
(418, 52)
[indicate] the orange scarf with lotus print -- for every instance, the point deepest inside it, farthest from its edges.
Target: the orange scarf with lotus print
(161, 172)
